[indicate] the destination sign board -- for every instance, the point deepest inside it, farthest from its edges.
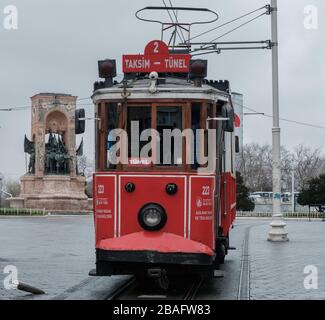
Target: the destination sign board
(157, 58)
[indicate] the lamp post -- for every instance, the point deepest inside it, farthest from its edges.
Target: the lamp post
(277, 232)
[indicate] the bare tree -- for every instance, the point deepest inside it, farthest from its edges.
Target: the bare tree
(12, 187)
(89, 188)
(308, 164)
(85, 166)
(256, 166)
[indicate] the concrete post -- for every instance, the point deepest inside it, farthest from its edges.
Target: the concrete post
(277, 232)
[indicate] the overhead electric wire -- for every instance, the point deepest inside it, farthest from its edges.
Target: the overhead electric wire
(171, 18)
(245, 107)
(284, 119)
(8, 109)
(232, 30)
(226, 23)
(183, 38)
(15, 108)
(80, 99)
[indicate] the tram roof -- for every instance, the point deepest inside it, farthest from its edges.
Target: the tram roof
(167, 87)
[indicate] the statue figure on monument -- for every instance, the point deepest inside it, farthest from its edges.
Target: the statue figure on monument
(56, 156)
(29, 148)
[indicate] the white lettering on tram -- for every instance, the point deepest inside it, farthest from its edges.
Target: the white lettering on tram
(173, 63)
(137, 63)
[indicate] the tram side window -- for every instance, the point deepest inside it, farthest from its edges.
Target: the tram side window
(169, 119)
(112, 113)
(138, 118)
(195, 125)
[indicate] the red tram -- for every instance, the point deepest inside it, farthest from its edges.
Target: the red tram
(154, 218)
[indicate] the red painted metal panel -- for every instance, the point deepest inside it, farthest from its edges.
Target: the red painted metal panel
(105, 206)
(160, 63)
(228, 203)
(156, 47)
(190, 212)
(202, 218)
(151, 189)
(155, 241)
(156, 58)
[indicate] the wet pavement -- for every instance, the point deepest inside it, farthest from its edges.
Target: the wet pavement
(50, 253)
(277, 269)
(56, 253)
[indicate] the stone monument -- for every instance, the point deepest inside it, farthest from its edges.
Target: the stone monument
(52, 181)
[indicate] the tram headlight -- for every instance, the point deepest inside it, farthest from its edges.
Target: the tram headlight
(152, 217)
(107, 68)
(198, 68)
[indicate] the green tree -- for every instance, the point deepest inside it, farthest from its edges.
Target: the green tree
(242, 193)
(314, 192)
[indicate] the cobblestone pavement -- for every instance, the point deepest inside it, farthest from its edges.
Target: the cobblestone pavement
(56, 253)
(51, 253)
(277, 269)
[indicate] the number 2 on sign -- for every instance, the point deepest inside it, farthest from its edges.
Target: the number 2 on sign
(205, 190)
(156, 46)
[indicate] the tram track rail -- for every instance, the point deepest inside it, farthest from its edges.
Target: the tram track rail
(122, 289)
(194, 289)
(132, 290)
(244, 276)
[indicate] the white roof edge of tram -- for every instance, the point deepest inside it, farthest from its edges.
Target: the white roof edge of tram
(163, 92)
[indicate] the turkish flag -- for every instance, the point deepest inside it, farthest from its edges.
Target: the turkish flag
(237, 121)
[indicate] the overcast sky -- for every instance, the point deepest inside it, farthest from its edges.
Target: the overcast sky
(58, 43)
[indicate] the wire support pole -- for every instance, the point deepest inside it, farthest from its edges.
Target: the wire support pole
(277, 232)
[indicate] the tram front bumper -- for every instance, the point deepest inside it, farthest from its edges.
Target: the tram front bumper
(150, 249)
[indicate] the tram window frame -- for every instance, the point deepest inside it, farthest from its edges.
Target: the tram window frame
(129, 155)
(154, 105)
(97, 136)
(101, 132)
(207, 109)
(111, 124)
(183, 125)
(100, 128)
(186, 110)
(196, 107)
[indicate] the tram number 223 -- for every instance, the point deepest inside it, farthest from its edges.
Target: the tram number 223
(205, 190)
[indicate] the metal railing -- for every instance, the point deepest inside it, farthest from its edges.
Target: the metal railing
(297, 215)
(22, 212)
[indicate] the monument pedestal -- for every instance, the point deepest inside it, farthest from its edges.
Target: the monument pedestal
(54, 192)
(16, 203)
